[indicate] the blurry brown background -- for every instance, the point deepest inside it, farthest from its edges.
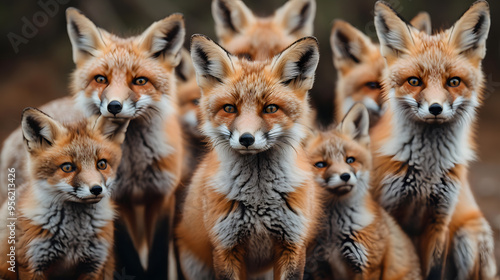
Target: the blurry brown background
(38, 70)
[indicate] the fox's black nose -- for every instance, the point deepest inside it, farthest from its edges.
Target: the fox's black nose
(114, 107)
(96, 190)
(435, 109)
(247, 139)
(345, 177)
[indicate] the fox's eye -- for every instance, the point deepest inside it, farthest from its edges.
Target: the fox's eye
(453, 82)
(102, 164)
(350, 160)
(373, 85)
(67, 167)
(271, 109)
(140, 81)
(320, 164)
(101, 79)
(414, 81)
(228, 108)
(196, 101)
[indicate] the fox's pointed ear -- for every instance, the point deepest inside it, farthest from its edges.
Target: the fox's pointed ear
(296, 65)
(349, 45)
(211, 62)
(164, 39)
(185, 70)
(113, 129)
(422, 22)
(469, 33)
(231, 17)
(356, 124)
(297, 17)
(393, 32)
(39, 130)
(86, 39)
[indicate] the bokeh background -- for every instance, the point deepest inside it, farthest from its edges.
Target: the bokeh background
(37, 70)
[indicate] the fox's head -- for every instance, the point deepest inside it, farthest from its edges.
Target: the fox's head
(341, 156)
(188, 94)
(75, 162)
(436, 78)
(360, 66)
(125, 77)
(254, 38)
(252, 106)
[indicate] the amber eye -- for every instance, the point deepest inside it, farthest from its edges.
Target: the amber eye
(140, 81)
(101, 79)
(350, 160)
(67, 167)
(228, 108)
(414, 81)
(196, 101)
(271, 109)
(373, 85)
(320, 164)
(102, 164)
(454, 82)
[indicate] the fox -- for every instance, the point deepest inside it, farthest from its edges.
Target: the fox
(260, 38)
(66, 203)
(252, 200)
(360, 67)
(358, 238)
(130, 78)
(424, 143)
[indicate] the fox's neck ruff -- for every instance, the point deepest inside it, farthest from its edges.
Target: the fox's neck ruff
(270, 173)
(434, 148)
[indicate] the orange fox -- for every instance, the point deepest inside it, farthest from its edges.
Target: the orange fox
(64, 213)
(425, 141)
(254, 38)
(358, 238)
(359, 66)
(252, 201)
(131, 78)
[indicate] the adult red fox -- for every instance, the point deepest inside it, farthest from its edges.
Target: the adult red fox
(251, 206)
(424, 142)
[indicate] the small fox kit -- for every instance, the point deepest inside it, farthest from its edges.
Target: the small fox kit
(252, 201)
(424, 143)
(65, 214)
(254, 38)
(357, 238)
(359, 66)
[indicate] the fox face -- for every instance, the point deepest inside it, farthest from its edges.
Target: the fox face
(360, 67)
(74, 163)
(250, 107)
(124, 78)
(341, 156)
(254, 38)
(434, 79)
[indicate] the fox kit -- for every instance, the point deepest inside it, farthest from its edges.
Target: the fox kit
(359, 66)
(424, 143)
(254, 38)
(252, 201)
(358, 239)
(65, 214)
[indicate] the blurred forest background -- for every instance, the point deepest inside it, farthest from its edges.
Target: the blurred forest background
(37, 70)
